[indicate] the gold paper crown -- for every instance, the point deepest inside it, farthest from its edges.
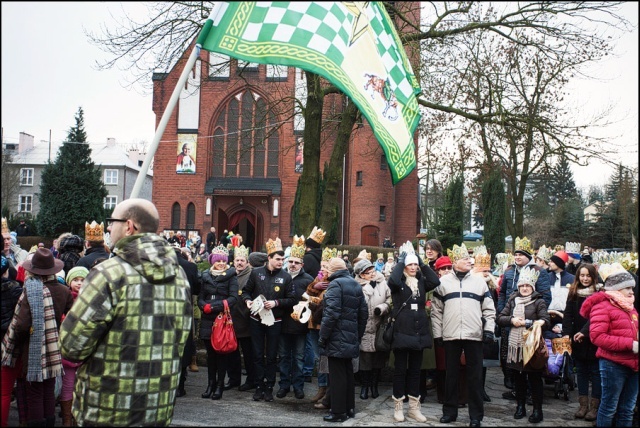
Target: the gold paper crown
(572, 247)
(329, 253)
(94, 232)
(5, 226)
(528, 276)
(339, 254)
(345, 252)
(390, 255)
(273, 246)
(317, 235)
(523, 244)
(544, 253)
(241, 251)
(458, 253)
(33, 249)
(558, 248)
(298, 248)
(380, 256)
(482, 259)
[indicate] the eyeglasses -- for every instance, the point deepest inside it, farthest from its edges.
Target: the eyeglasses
(294, 262)
(110, 222)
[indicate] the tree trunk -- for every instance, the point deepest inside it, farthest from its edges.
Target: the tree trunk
(310, 178)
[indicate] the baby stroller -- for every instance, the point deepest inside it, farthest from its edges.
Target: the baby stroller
(560, 369)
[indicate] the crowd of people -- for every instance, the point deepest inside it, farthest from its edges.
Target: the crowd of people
(110, 332)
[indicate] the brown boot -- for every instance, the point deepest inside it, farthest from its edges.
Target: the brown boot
(584, 407)
(592, 414)
(193, 367)
(320, 394)
(67, 417)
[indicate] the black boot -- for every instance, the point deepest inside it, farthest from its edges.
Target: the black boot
(219, 389)
(209, 391)
(521, 410)
(375, 377)
(365, 376)
(536, 415)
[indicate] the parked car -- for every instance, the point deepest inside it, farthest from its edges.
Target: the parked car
(475, 237)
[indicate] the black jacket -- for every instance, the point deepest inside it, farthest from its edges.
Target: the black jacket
(11, 291)
(311, 261)
(344, 316)
(91, 255)
(215, 289)
(289, 325)
(573, 323)
(273, 285)
(411, 329)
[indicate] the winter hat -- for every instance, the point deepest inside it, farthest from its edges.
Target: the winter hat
(361, 266)
(442, 262)
(335, 264)
(560, 258)
(77, 272)
(619, 281)
(411, 258)
(257, 259)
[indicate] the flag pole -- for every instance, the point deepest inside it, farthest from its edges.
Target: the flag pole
(195, 53)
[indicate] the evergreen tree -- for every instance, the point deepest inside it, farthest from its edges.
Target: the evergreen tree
(562, 186)
(451, 220)
(72, 191)
(568, 221)
(494, 201)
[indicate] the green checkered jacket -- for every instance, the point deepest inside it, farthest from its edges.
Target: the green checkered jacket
(129, 326)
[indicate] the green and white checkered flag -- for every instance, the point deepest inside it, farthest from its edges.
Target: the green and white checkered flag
(354, 45)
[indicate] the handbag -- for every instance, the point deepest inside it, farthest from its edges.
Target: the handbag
(380, 344)
(535, 352)
(223, 336)
(387, 334)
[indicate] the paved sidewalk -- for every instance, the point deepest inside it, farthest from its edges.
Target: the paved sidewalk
(238, 409)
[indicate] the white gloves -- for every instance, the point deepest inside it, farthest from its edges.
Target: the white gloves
(635, 346)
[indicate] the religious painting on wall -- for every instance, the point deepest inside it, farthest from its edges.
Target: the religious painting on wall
(299, 154)
(187, 147)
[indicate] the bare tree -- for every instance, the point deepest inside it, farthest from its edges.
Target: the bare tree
(10, 183)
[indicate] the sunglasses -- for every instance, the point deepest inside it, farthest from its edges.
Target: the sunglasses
(446, 268)
(111, 220)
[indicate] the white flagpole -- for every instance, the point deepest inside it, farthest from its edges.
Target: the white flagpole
(165, 119)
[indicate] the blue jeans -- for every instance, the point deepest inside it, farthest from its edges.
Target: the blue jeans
(265, 340)
(588, 371)
(309, 357)
(291, 352)
(323, 378)
(619, 394)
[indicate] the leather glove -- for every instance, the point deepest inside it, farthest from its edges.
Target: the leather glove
(402, 256)
(487, 338)
(207, 309)
(377, 312)
(420, 261)
(438, 341)
(322, 343)
(321, 285)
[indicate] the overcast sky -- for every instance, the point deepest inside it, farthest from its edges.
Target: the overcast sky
(48, 71)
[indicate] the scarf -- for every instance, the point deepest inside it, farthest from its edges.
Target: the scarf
(412, 283)
(516, 340)
(623, 302)
(45, 360)
(215, 272)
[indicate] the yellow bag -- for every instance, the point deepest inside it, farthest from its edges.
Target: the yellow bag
(532, 340)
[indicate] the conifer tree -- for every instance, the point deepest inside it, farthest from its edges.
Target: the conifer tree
(494, 203)
(450, 225)
(562, 186)
(72, 191)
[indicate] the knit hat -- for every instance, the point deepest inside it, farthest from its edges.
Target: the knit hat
(219, 254)
(335, 264)
(619, 281)
(361, 266)
(411, 259)
(442, 262)
(560, 258)
(257, 259)
(77, 272)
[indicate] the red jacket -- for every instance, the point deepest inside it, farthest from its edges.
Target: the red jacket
(612, 329)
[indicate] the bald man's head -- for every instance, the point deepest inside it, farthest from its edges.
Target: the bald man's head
(142, 212)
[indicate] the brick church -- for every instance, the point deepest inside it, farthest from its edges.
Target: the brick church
(222, 161)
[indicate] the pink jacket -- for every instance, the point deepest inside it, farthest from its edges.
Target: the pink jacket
(612, 329)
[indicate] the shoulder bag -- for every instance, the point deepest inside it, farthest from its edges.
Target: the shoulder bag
(223, 336)
(387, 334)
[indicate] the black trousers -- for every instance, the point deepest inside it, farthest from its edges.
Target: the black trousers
(342, 385)
(235, 362)
(406, 372)
(216, 363)
(535, 381)
(473, 355)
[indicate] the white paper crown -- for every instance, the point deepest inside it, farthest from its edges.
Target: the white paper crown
(241, 251)
(544, 253)
(528, 276)
(607, 269)
(572, 247)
